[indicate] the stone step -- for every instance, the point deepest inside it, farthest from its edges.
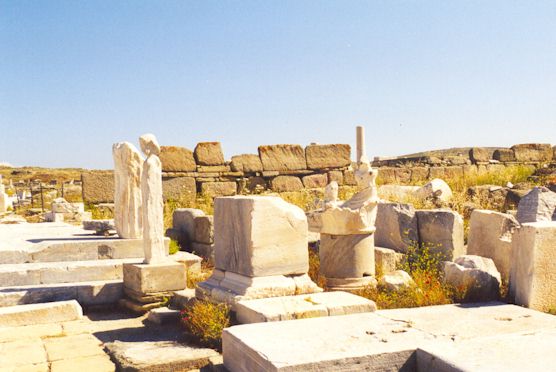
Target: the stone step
(302, 306)
(75, 249)
(162, 315)
(86, 293)
(62, 272)
(53, 312)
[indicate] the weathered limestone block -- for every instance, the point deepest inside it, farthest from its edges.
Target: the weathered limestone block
(441, 231)
(533, 152)
(209, 153)
(177, 159)
(396, 227)
(347, 256)
(336, 176)
(396, 281)
(303, 306)
(435, 189)
(282, 157)
(98, 187)
(286, 183)
(419, 174)
(533, 270)
(267, 236)
(490, 235)
(476, 276)
(479, 155)
(328, 156)
(315, 181)
(538, 205)
(54, 312)
(128, 164)
(248, 163)
(153, 206)
(349, 178)
(213, 189)
(387, 260)
(183, 220)
(204, 232)
(183, 189)
(504, 155)
(155, 277)
(387, 175)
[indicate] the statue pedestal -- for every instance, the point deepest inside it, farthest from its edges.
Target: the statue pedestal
(148, 285)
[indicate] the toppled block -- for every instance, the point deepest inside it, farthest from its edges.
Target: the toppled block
(441, 231)
(282, 157)
(476, 276)
(490, 235)
(177, 159)
(396, 227)
(533, 269)
(396, 281)
(204, 231)
(538, 205)
(209, 153)
(328, 156)
(301, 307)
(387, 260)
(183, 220)
(479, 155)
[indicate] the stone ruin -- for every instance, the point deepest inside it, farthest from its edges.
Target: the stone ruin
(261, 264)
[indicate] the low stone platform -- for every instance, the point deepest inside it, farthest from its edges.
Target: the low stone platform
(479, 337)
(52, 312)
(53, 242)
(86, 293)
(302, 306)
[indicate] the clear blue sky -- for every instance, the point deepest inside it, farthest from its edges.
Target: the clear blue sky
(77, 76)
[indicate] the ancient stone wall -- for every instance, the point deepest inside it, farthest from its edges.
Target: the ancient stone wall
(288, 167)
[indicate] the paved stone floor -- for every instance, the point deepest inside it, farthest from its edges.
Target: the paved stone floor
(76, 345)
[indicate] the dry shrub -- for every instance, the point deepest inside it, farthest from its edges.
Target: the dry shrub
(206, 321)
(314, 269)
(195, 277)
(174, 247)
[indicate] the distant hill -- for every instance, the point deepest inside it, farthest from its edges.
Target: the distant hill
(454, 151)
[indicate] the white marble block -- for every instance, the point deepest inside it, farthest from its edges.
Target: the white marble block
(533, 272)
(260, 236)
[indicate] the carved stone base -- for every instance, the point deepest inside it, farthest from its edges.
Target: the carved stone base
(350, 284)
(230, 287)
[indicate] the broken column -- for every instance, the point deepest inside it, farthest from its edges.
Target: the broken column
(533, 269)
(347, 229)
(4, 200)
(259, 252)
(147, 284)
(128, 164)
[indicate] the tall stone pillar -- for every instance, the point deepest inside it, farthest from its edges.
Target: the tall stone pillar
(128, 164)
